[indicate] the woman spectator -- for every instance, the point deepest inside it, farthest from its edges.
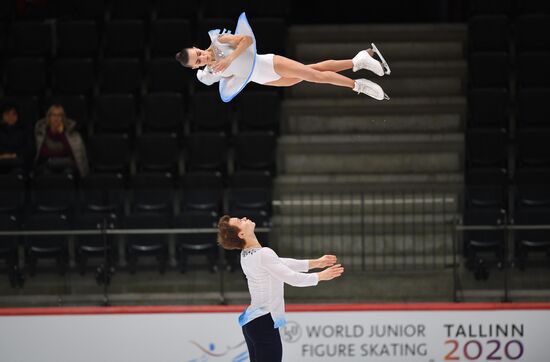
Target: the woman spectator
(59, 146)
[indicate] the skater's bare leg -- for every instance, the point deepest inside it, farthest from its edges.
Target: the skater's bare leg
(288, 68)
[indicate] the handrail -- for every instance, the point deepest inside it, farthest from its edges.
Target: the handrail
(502, 227)
(116, 231)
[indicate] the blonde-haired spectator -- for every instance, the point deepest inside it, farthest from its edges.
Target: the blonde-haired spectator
(59, 146)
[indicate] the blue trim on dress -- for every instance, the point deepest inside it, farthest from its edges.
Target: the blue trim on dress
(279, 322)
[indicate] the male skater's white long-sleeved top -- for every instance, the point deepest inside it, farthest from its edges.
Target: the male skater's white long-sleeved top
(266, 274)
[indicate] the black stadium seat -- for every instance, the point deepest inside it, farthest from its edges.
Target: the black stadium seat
(157, 153)
(169, 36)
(120, 75)
(210, 114)
(484, 248)
(212, 158)
(102, 193)
(31, 39)
(77, 38)
(531, 240)
(489, 69)
(138, 245)
(25, 76)
(124, 38)
(533, 151)
(9, 246)
(115, 113)
(46, 246)
(175, 9)
(532, 108)
(131, 9)
(489, 33)
(97, 246)
(486, 156)
(259, 111)
(12, 194)
(202, 191)
(533, 7)
(53, 194)
(153, 193)
(490, 6)
(196, 243)
(255, 151)
(73, 76)
(488, 108)
(165, 74)
(163, 112)
(532, 33)
(109, 153)
(532, 70)
(484, 197)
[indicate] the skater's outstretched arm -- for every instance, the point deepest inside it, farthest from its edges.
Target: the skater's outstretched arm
(276, 267)
(305, 265)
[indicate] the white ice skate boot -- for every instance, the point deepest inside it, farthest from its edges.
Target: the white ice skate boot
(370, 88)
(363, 60)
(387, 69)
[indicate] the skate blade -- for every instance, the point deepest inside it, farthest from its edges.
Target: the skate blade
(387, 69)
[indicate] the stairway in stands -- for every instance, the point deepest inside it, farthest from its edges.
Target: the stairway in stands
(335, 142)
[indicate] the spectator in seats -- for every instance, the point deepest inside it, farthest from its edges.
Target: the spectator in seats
(266, 274)
(232, 61)
(15, 141)
(59, 146)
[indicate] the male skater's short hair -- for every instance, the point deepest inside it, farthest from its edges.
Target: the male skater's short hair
(228, 235)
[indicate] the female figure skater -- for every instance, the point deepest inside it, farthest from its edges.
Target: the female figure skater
(232, 61)
(266, 274)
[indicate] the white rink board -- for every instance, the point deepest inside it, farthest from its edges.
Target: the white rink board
(385, 336)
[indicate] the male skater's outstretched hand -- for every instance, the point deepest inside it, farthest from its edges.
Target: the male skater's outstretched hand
(331, 272)
(323, 262)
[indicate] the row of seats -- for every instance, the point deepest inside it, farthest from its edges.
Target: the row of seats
(488, 158)
(494, 70)
(253, 151)
(146, 201)
(508, 7)
(160, 112)
(527, 33)
(138, 9)
(525, 204)
(507, 162)
(126, 38)
(104, 249)
(30, 76)
(164, 193)
(523, 198)
(95, 9)
(491, 108)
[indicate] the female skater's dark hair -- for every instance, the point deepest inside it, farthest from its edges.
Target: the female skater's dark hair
(228, 235)
(183, 57)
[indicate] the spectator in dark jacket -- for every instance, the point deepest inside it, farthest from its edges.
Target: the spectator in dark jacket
(15, 141)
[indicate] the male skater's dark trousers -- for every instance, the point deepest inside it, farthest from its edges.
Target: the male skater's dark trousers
(263, 341)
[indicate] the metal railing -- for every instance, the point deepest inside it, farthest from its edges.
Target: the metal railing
(383, 231)
(104, 271)
(393, 230)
